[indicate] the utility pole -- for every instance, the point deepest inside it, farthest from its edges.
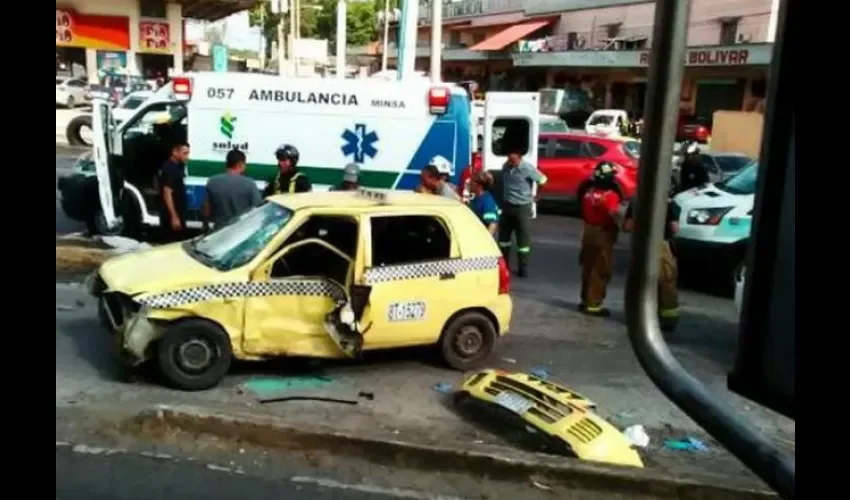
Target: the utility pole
(282, 8)
(386, 35)
(261, 54)
(293, 21)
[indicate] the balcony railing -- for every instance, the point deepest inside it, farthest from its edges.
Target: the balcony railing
(468, 8)
(626, 39)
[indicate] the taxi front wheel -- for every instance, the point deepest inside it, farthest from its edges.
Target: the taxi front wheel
(468, 340)
(194, 354)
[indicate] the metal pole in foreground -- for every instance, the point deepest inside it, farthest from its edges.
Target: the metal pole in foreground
(746, 442)
(436, 40)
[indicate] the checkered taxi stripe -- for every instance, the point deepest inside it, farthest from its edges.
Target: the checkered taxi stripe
(428, 269)
(232, 290)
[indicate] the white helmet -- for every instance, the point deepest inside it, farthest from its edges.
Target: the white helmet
(443, 165)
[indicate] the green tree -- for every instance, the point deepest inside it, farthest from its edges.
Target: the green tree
(262, 15)
(361, 22)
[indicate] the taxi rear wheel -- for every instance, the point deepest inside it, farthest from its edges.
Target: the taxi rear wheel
(468, 340)
(194, 355)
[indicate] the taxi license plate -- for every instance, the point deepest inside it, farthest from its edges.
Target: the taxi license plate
(514, 403)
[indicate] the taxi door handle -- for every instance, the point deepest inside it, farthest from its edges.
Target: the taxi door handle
(447, 276)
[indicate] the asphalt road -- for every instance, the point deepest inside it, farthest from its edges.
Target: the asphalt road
(81, 476)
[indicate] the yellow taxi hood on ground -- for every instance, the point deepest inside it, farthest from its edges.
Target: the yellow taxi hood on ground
(154, 269)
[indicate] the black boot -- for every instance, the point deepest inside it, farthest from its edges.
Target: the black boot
(522, 269)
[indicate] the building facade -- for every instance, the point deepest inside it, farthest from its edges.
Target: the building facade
(603, 46)
(139, 37)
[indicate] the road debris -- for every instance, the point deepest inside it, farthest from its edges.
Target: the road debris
(509, 360)
(540, 372)
(539, 484)
(444, 388)
(637, 435)
(686, 444)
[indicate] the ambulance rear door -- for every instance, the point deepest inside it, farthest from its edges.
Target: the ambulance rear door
(101, 118)
(511, 121)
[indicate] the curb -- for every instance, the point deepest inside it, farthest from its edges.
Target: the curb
(79, 256)
(271, 432)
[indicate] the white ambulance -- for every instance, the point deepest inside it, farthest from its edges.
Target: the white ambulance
(391, 129)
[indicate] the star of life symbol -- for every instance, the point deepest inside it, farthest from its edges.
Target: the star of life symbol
(359, 143)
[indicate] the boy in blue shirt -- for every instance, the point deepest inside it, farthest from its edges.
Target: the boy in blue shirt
(482, 203)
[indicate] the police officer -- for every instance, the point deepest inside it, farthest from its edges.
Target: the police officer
(668, 291)
(288, 178)
(691, 173)
(518, 178)
(600, 208)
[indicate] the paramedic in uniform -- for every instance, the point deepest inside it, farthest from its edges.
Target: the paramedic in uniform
(668, 291)
(518, 177)
(600, 208)
(288, 178)
(482, 202)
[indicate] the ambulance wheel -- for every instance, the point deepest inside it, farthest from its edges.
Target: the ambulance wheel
(468, 340)
(75, 128)
(194, 354)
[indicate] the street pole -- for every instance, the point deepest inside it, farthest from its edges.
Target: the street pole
(341, 18)
(386, 35)
(407, 39)
(293, 21)
(773, 21)
(262, 51)
(281, 39)
(436, 40)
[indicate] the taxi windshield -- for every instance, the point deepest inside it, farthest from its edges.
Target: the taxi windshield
(235, 244)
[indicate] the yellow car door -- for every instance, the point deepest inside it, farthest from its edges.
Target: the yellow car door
(410, 299)
(293, 291)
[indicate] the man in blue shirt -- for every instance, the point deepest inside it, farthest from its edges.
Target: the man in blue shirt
(518, 179)
(483, 204)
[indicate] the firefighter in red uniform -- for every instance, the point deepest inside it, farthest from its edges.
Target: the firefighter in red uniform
(600, 206)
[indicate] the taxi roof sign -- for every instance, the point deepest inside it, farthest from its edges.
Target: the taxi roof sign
(375, 195)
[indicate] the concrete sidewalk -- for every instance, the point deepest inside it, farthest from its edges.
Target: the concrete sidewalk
(395, 391)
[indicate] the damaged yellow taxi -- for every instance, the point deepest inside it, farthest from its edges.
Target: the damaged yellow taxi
(323, 274)
(559, 413)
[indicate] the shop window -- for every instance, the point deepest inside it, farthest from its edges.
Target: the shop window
(152, 8)
(511, 134)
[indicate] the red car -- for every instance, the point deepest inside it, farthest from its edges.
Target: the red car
(568, 159)
(693, 128)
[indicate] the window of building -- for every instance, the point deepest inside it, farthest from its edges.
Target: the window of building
(613, 30)
(511, 133)
(454, 39)
(152, 8)
(409, 239)
(728, 32)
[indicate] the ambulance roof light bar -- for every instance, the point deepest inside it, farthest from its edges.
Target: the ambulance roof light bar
(181, 86)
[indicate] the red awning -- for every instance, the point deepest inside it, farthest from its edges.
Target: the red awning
(510, 35)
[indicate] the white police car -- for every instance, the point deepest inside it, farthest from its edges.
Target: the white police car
(714, 225)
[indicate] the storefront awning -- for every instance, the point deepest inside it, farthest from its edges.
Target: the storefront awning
(510, 35)
(213, 10)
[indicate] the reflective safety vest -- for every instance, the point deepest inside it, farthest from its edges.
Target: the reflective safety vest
(291, 183)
